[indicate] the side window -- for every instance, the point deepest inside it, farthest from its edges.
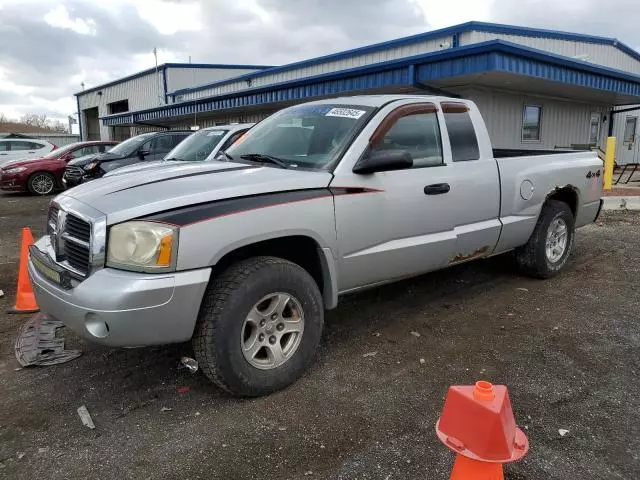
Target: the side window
(462, 134)
(18, 145)
(416, 133)
(176, 139)
(160, 144)
(531, 121)
(4, 146)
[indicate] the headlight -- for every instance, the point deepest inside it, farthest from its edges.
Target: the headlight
(143, 246)
(91, 166)
(15, 170)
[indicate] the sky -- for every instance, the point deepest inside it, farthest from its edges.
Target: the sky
(49, 48)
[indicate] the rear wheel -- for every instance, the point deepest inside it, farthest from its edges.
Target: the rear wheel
(41, 183)
(550, 244)
(259, 326)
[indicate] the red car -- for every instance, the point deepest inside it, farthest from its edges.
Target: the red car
(42, 176)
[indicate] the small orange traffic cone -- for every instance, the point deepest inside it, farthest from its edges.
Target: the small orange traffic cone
(25, 299)
(477, 423)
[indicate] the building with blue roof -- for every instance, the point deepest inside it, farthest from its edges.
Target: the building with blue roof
(536, 88)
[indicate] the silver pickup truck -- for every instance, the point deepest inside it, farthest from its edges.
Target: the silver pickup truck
(243, 255)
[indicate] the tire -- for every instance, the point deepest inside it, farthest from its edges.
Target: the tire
(41, 183)
(533, 258)
(220, 335)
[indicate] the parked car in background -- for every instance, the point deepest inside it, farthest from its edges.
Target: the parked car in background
(20, 148)
(202, 146)
(319, 200)
(147, 147)
(43, 176)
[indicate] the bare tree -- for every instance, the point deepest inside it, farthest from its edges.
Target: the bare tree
(57, 126)
(3, 118)
(35, 120)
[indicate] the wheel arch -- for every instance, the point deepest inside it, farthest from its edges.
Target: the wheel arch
(567, 194)
(301, 249)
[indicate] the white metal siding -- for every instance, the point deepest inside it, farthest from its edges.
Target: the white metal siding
(604, 55)
(178, 78)
(419, 47)
(563, 123)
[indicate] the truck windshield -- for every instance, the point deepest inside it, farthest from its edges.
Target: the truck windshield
(308, 136)
(198, 146)
(131, 145)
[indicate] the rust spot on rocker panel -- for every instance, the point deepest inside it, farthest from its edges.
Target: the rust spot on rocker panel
(461, 257)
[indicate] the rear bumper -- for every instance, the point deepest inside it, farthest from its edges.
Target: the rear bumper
(125, 309)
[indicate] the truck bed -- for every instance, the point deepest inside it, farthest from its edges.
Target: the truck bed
(515, 152)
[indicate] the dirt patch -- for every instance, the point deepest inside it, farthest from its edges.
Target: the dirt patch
(568, 348)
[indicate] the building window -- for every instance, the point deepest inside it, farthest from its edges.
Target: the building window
(531, 121)
(594, 129)
(630, 130)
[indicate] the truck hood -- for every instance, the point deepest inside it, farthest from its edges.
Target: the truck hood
(123, 197)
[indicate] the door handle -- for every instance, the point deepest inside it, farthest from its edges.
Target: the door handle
(437, 189)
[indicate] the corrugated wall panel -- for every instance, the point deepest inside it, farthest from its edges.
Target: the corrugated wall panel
(604, 55)
(178, 78)
(326, 67)
(563, 123)
(626, 152)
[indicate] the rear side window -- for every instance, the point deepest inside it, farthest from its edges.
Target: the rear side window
(462, 134)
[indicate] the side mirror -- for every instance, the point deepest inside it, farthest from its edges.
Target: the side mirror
(382, 161)
(142, 153)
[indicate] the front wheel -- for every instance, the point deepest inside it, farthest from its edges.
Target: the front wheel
(41, 183)
(259, 326)
(550, 244)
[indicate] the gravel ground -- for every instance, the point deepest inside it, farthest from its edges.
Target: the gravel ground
(568, 349)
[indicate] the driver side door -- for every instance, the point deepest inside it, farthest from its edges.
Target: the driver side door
(397, 223)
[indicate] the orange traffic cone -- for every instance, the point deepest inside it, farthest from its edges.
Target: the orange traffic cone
(25, 299)
(477, 423)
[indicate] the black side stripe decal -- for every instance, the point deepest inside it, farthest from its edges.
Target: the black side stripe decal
(195, 174)
(219, 208)
(205, 211)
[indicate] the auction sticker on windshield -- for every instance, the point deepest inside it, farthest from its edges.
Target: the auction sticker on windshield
(215, 133)
(345, 113)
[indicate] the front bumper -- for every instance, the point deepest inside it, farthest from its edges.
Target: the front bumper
(125, 309)
(12, 183)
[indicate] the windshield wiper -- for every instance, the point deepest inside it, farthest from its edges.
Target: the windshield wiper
(224, 154)
(173, 159)
(261, 157)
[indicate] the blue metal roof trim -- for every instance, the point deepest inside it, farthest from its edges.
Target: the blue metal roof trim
(171, 65)
(480, 57)
(456, 29)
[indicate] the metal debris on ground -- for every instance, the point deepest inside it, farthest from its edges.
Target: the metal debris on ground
(165, 409)
(522, 289)
(1, 294)
(37, 343)
(422, 361)
(415, 334)
(370, 354)
(562, 432)
(87, 421)
(189, 363)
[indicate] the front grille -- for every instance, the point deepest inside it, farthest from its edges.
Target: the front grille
(77, 254)
(74, 173)
(78, 228)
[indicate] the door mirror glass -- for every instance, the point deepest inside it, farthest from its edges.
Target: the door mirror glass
(383, 160)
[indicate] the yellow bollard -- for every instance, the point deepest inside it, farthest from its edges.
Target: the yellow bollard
(609, 160)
